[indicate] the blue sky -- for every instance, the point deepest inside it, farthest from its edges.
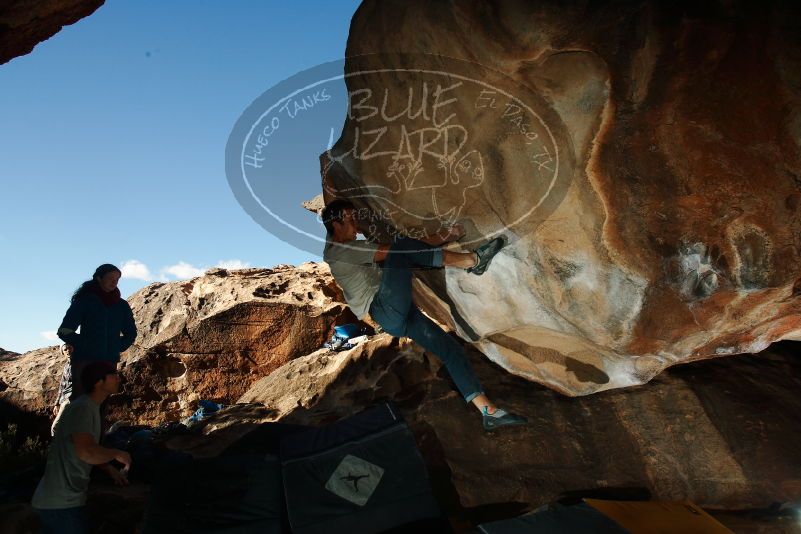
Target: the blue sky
(112, 146)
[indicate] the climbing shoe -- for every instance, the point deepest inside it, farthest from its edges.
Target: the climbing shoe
(501, 418)
(485, 254)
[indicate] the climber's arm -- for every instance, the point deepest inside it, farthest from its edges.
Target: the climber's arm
(381, 253)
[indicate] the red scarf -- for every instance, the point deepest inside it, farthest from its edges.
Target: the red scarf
(108, 297)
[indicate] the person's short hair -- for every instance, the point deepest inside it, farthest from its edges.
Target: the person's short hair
(94, 372)
(335, 211)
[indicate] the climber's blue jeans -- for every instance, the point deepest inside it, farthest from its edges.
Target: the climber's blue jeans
(393, 309)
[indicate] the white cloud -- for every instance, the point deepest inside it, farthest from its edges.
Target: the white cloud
(136, 270)
(50, 335)
(232, 264)
(182, 270)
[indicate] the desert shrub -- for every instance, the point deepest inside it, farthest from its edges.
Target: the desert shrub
(18, 451)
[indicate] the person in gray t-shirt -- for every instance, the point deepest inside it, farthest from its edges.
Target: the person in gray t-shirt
(61, 494)
(384, 292)
(353, 266)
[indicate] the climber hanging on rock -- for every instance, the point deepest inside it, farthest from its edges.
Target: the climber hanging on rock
(377, 281)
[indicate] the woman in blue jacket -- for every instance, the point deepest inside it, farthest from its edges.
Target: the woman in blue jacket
(106, 321)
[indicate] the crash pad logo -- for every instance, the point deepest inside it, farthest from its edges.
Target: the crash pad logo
(418, 144)
(355, 479)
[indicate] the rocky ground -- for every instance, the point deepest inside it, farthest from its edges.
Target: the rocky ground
(702, 431)
(721, 433)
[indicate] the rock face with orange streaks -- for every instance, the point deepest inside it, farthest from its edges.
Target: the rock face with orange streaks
(642, 160)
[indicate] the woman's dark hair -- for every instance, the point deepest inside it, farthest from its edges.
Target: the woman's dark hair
(85, 287)
(334, 212)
